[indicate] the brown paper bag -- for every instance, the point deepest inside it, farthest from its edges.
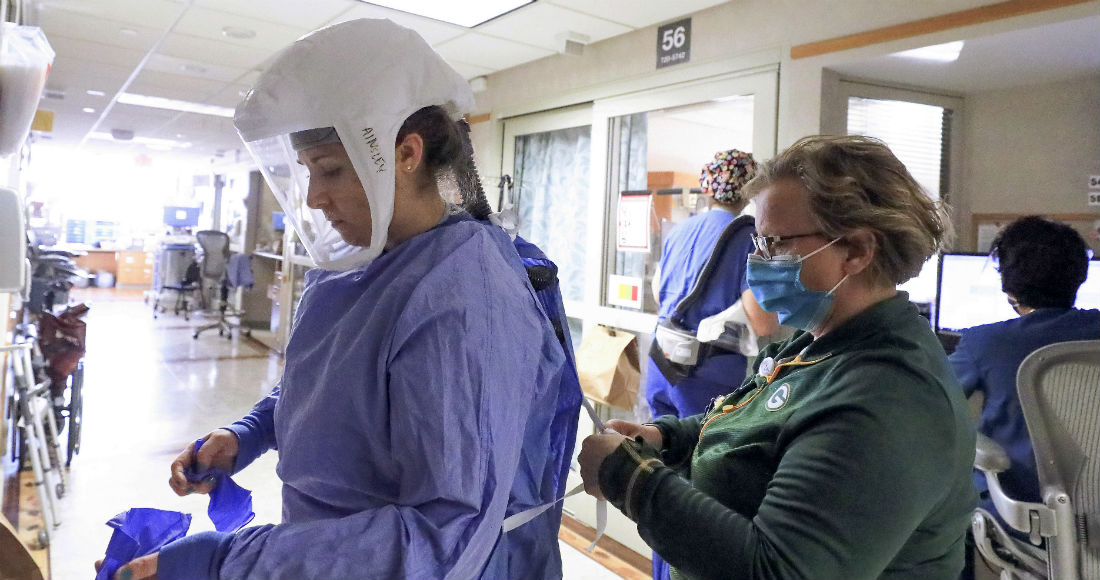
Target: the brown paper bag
(607, 363)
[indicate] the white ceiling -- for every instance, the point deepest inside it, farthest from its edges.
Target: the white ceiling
(1030, 56)
(103, 44)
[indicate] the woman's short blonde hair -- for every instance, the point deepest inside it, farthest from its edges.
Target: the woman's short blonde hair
(856, 183)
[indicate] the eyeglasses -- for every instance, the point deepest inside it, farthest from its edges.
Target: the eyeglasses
(766, 244)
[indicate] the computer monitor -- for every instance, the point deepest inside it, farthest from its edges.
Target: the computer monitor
(1088, 295)
(181, 217)
(922, 288)
(970, 293)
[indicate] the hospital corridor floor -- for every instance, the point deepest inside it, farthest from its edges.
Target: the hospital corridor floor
(149, 390)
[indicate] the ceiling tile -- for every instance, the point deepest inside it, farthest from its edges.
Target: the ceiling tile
(490, 52)
(206, 23)
(75, 76)
(71, 24)
(541, 24)
(173, 86)
(637, 14)
(296, 13)
(205, 50)
(433, 31)
(230, 96)
(157, 14)
(135, 118)
(96, 52)
(192, 69)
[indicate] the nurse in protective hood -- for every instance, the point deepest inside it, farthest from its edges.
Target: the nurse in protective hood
(415, 409)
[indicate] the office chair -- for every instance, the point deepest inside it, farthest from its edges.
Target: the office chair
(213, 270)
(190, 283)
(1059, 390)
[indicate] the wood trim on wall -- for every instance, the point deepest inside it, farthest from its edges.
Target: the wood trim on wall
(979, 15)
(611, 554)
(471, 119)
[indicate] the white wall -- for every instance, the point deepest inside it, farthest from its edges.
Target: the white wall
(737, 35)
(744, 30)
(1031, 149)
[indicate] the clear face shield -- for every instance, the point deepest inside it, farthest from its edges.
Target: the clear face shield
(362, 78)
(278, 160)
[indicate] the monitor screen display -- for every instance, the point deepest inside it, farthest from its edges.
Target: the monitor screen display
(970, 293)
(1088, 295)
(922, 288)
(181, 217)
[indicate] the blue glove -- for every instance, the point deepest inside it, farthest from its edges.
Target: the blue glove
(140, 532)
(230, 504)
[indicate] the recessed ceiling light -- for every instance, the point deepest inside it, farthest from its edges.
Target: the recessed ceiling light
(946, 52)
(238, 32)
(128, 32)
(88, 110)
(96, 93)
(193, 68)
(468, 14)
(179, 135)
(173, 105)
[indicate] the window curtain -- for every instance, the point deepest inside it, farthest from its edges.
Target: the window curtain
(551, 197)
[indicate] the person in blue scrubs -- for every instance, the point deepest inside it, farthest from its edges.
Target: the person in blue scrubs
(684, 254)
(422, 385)
(1042, 265)
(686, 250)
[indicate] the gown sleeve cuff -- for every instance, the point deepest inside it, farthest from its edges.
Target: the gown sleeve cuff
(195, 557)
(624, 473)
(249, 446)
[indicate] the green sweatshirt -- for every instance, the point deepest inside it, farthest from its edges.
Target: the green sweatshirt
(846, 457)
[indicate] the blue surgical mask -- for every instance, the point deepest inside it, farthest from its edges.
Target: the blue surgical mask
(776, 284)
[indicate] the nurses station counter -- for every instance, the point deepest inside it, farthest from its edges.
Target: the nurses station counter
(129, 267)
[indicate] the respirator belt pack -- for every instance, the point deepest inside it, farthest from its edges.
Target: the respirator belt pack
(677, 350)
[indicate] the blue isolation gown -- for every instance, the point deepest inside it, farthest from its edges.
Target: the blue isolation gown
(415, 413)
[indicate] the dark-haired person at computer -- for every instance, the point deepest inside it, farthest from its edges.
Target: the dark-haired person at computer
(1042, 265)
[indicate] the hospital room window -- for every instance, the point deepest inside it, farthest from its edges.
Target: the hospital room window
(917, 133)
(656, 160)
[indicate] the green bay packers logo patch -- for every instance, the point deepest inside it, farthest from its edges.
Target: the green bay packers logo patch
(779, 397)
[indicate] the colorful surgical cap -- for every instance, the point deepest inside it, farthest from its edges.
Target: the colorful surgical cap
(727, 174)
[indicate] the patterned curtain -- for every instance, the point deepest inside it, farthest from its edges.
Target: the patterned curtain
(551, 197)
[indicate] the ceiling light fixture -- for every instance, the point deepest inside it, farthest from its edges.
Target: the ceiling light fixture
(96, 93)
(238, 32)
(193, 68)
(127, 32)
(88, 110)
(174, 105)
(946, 52)
(468, 14)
